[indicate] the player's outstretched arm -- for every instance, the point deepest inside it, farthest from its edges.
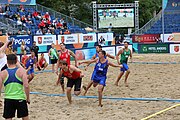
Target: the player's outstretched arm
(77, 70)
(74, 56)
(3, 48)
(88, 62)
(117, 56)
(110, 56)
(114, 65)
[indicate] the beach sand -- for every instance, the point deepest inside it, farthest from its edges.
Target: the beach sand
(145, 81)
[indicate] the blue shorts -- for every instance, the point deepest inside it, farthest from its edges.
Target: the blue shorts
(31, 71)
(100, 79)
(125, 67)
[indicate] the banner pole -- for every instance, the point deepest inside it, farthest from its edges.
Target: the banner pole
(163, 18)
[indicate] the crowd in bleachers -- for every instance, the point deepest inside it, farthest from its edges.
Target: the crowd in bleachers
(37, 22)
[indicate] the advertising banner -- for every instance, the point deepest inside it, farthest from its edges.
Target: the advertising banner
(146, 38)
(86, 38)
(20, 2)
(168, 37)
(174, 48)
(175, 37)
(45, 40)
(153, 48)
(110, 50)
(106, 36)
(68, 39)
(121, 47)
(19, 38)
(85, 54)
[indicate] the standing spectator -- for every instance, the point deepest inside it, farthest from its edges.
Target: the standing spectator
(101, 41)
(59, 25)
(53, 56)
(24, 47)
(48, 32)
(16, 90)
(62, 21)
(7, 8)
(35, 49)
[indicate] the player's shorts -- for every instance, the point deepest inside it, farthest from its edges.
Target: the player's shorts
(76, 83)
(100, 79)
(125, 67)
(31, 71)
(53, 61)
(10, 107)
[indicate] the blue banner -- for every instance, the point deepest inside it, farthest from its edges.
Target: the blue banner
(19, 38)
(20, 2)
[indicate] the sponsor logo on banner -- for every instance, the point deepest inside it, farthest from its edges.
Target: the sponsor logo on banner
(146, 38)
(19, 38)
(68, 39)
(175, 37)
(121, 47)
(110, 50)
(86, 38)
(175, 48)
(153, 48)
(45, 40)
(106, 36)
(85, 54)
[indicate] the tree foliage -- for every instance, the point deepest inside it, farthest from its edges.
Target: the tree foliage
(82, 9)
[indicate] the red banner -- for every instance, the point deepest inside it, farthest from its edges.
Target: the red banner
(146, 38)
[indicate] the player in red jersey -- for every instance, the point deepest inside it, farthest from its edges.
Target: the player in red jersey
(23, 59)
(42, 63)
(74, 76)
(65, 55)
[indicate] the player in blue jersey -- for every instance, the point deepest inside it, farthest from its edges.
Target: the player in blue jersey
(95, 56)
(30, 62)
(100, 72)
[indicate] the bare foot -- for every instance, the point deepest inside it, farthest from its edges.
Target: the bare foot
(116, 84)
(126, 85)
(100, 105)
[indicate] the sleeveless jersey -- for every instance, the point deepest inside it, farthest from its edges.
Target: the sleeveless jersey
(41, 61)
(101, 68)
(73, 75)
(13, 86)
(65, 56)
(53, 53)
(23, 60)
(30, 62)
(125, 55)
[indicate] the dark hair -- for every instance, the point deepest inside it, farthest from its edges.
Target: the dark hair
(11, 59)
(63, 62)
(126, 42)
(62, 43)
(103, 52)
(99, 46)
(1, 44)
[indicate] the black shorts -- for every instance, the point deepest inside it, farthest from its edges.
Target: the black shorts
(10, 107)
(76, 82)
(53, 61)
(62, 79)
(5, 67)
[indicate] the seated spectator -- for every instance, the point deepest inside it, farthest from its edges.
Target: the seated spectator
(62, 21)
(19, 22)
(21, 8)
(61, 32)
(48, 32)
(29, 32)
(28, 13)
(42, 63)
(29, 19)
(48, 23)
(36, 15)
(18, 16)
(41, 25)
(23, 19)
(101, 41)
(47, 16)
(65, 25)
(19, 32)
(67, 32)
(6, 15)
(55, 21)
(39, 32)
(59, 25)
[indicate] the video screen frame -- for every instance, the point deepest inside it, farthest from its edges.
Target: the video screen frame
(105, 27)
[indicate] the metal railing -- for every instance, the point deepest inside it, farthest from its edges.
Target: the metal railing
(149, 24)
